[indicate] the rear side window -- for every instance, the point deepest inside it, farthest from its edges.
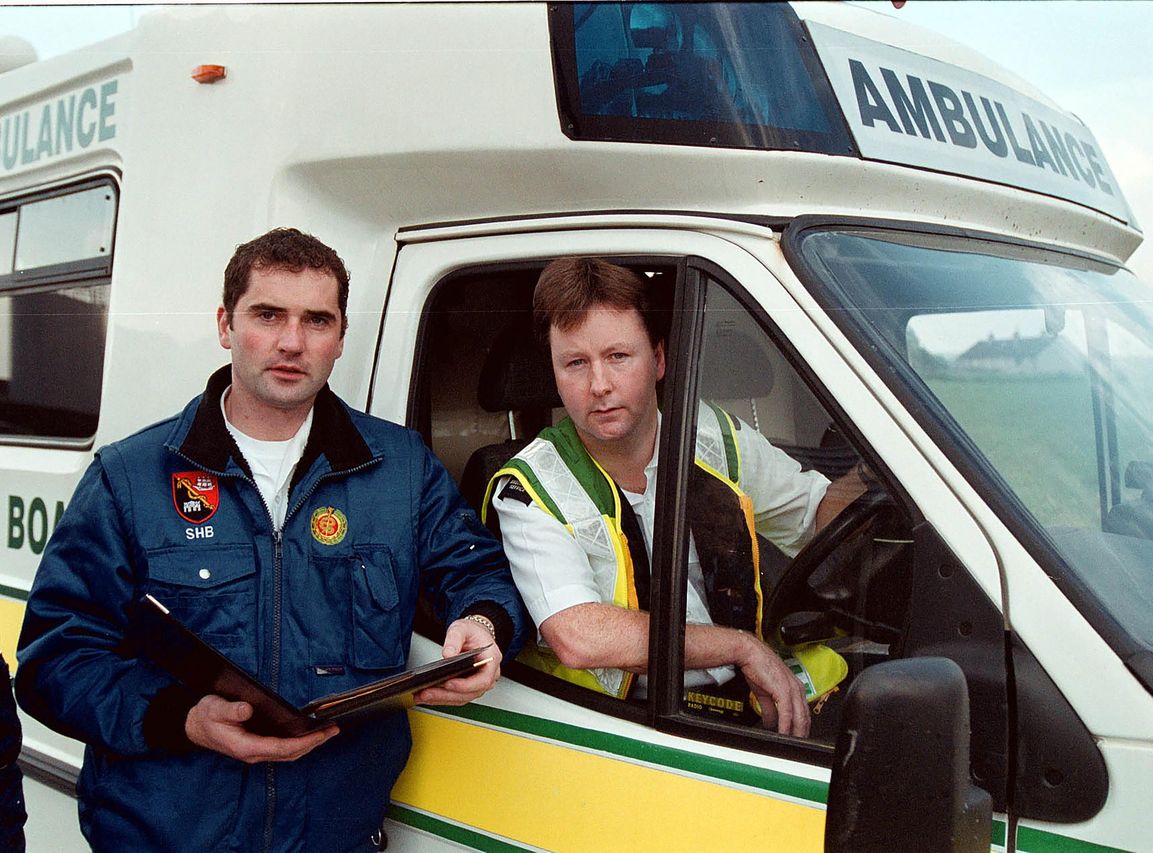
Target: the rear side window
(55, 273)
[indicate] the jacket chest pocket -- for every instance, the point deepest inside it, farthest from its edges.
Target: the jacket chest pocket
(213, 592)
(375, 640)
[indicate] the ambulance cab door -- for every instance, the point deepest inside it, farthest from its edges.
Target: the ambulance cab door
(907, 573)
(902, 571)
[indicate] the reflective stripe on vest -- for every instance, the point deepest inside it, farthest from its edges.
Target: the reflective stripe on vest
(567, 483)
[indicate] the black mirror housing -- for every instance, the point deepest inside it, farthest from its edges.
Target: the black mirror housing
(901, 765)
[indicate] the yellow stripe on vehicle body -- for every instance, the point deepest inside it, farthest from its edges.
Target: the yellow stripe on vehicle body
(558, 796)
(491, 775)
(11, 618)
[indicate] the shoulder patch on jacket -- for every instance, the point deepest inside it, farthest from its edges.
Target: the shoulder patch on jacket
(196, 495)
(513, 490)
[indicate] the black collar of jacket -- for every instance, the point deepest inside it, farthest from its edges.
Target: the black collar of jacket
(333, 435)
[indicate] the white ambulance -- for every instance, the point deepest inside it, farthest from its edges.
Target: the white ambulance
(876, 246)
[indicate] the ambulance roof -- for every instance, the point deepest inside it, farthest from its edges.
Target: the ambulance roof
(415, 113)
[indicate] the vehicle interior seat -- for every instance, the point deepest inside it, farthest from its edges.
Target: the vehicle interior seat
(517, 379)
(1134, 517)
(735, 369)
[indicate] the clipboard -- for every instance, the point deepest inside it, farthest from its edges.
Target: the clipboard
(165, 640)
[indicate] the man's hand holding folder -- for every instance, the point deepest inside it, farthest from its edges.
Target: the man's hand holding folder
(239, 717)
(462, 636)
(218, 724)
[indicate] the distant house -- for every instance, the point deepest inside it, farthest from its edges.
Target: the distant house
(1041, 355)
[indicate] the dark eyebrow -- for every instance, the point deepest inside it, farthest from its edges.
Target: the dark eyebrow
(261, 307)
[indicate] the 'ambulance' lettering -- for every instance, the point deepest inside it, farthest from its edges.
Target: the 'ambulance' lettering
(917, 107)
(74, 121)
(919, 114)
(910, 109)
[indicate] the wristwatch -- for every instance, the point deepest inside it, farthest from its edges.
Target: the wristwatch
(483, 621)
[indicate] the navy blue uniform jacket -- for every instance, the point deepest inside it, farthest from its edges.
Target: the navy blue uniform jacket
(325, 605)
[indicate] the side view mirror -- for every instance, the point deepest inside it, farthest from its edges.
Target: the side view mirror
(901, 764)
(1139, 475)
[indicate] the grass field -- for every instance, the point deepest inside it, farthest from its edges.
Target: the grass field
(1038, 432)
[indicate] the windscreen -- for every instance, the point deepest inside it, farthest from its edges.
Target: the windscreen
(1040, 367)
(720, 74)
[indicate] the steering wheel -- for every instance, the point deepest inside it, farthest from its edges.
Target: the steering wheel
(795, 592)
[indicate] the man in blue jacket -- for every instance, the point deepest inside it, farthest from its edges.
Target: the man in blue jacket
(294, 535)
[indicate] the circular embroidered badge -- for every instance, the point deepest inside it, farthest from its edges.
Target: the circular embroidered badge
(329, 525)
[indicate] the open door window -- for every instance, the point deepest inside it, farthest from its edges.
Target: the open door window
(755, 538)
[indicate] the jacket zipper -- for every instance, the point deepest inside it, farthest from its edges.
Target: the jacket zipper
(277, 605)
(274, 665)
(277, 597)
(274, 672)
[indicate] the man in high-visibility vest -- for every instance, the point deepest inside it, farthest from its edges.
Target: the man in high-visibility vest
(576, 505)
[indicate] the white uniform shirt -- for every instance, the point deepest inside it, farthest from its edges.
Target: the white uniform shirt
(553, 573)
(272, 463)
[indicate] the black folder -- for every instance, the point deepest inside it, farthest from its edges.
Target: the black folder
(167, 641)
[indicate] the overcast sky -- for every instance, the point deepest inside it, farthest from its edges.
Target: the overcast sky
(1093, 57)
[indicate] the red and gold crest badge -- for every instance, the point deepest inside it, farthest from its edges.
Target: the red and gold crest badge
(196, 495)
(329, 525)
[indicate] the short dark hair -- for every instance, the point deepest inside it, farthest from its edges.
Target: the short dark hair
(283, 248)
(569, 287)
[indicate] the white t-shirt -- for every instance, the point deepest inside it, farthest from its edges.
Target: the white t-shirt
(553, 573)
(272, 463)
